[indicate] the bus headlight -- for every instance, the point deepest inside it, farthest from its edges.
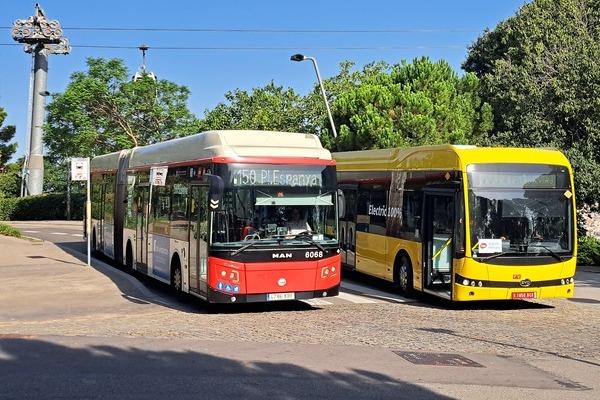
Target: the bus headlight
(465, 282)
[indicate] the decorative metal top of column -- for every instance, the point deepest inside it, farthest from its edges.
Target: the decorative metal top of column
(39, 33)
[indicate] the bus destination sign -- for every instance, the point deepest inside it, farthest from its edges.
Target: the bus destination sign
(276, 177)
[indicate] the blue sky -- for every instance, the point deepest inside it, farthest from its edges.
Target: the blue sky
(210, 73)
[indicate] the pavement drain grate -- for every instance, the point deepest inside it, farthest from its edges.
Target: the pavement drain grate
(439, 359)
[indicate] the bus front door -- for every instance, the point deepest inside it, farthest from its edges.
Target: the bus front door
(348, 229)
(198, 251)
(439, 212)
(141, 231)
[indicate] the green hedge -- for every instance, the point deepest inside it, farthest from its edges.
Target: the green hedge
(42, 207)
(588, 251)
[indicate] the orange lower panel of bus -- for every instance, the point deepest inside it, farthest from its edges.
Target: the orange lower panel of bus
(273, 277)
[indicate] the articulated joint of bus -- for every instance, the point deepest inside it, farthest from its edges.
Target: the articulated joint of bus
(231, 281)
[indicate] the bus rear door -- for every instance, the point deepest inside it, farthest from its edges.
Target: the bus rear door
(141, 231)
(198, 251)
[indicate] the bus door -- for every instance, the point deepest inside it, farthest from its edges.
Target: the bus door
(439, 215)
(348, 227)
(100, 231)
(141, 231)
(198, 251)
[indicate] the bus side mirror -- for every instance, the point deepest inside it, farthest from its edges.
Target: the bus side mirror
(341, 204)
(215, 192)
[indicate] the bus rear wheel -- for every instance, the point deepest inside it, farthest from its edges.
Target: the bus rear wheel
(129, 258)
(176, 277)
(404, 276)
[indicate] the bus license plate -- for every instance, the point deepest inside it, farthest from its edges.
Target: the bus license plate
(280, 296)
(523, 295)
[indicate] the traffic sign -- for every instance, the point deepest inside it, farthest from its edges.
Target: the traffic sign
(158, 176)
(80, 169)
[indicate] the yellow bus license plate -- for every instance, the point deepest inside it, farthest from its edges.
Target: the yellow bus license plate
(523, 295)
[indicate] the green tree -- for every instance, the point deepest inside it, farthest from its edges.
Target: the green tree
(540, 71)
(10, 180)
(103, 110)
(7, 133)
(407, 104)
(271, 107)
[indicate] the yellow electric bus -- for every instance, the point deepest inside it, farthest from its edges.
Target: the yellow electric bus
(460, 222)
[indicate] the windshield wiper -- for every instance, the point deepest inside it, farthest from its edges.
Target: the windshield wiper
(502, 253)
(306, 237)
(244, 247)
(552, 252)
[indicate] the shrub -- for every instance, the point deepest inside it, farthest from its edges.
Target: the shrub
(8, 230)
(41, 207)
(588, 252)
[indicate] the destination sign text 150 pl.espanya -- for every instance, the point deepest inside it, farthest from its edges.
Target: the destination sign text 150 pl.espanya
(275, 177)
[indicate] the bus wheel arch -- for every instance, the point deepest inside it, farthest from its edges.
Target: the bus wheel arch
(176, 274)
(403, 272)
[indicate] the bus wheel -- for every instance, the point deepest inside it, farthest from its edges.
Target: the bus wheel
(94, 245)
(405, 276)
(176, 277)
(129, 258)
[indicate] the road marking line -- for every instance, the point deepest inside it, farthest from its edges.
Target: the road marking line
(317, 302)
(58, 233)
(389, 297)
(77, 234)
(31, 231)
(354, 298)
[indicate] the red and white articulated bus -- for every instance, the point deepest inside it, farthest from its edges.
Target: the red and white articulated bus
(228, 216)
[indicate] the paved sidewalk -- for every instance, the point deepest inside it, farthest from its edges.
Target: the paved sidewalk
(52, 284)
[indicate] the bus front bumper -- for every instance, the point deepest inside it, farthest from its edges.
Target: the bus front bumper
(473, 293)
(215, 296)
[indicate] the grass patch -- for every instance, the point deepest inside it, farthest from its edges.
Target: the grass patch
(8, 230)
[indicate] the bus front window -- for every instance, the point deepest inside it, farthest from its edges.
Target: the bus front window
(269, 205)
(520, 209)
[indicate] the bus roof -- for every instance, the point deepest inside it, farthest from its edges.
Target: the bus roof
(223, 146)
(444, 156)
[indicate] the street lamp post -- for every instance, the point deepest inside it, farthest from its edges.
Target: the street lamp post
(301, 57)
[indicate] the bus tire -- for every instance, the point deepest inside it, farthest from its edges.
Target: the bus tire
(403, 274)
(94, 244)
(176, 276)
(129, 257)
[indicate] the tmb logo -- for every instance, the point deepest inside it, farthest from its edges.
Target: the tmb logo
(282, 255)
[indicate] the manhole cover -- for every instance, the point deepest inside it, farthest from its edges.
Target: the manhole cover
(439, 359)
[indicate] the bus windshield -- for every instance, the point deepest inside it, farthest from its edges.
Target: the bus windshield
(520, 209)
(267, 204)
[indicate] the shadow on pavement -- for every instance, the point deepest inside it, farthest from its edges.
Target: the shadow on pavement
(450, 332)
(36, 369)
(428, 301)
(162, 293)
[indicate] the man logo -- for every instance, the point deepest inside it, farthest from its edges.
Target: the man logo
(282, 255)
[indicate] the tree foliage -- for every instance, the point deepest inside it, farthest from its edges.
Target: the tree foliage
(271, 107)
(103, 110)
(408, 104)
(7, 133)
(540, 71)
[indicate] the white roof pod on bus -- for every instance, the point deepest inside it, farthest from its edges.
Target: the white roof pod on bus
(232, 145)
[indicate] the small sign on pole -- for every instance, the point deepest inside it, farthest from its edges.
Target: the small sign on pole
(80, 171)
(158, 176)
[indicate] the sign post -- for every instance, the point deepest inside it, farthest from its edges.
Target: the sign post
(80, 171)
